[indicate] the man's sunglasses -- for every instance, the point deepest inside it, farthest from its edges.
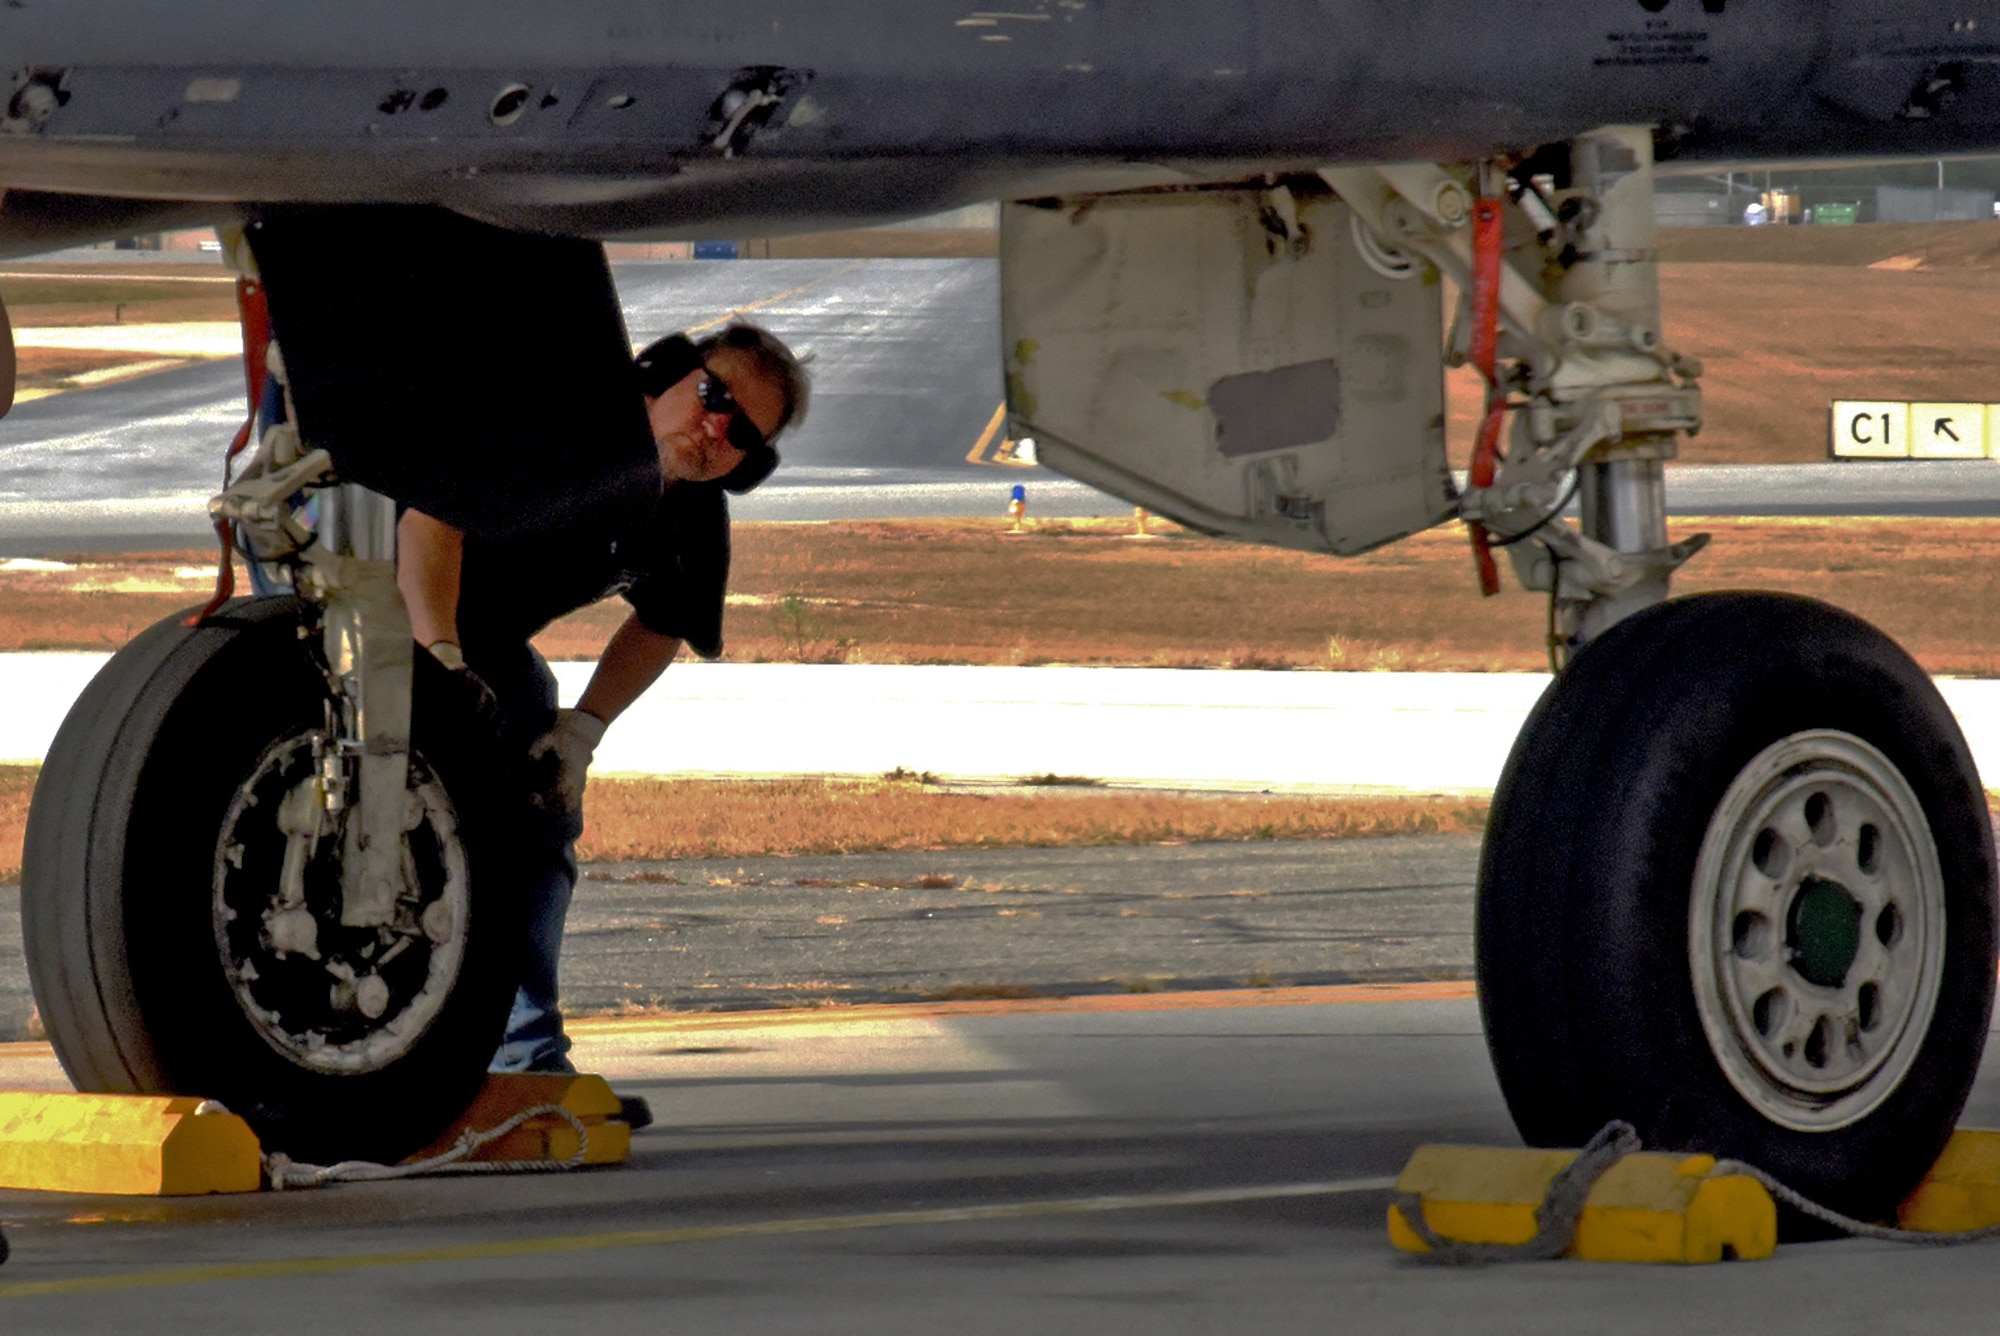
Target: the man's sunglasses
(716, 398)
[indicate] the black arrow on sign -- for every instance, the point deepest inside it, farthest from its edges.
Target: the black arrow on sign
(1942, 427)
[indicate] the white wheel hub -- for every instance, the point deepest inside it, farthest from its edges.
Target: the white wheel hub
(1816, 930)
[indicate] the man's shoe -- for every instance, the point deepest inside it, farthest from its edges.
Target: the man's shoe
(634, 1112)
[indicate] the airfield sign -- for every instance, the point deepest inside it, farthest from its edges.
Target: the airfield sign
(1948, 431)
(1900, 429)
(1865, 429)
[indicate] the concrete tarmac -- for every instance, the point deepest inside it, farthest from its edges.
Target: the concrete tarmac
(1182, 1164)
(1151, 1162)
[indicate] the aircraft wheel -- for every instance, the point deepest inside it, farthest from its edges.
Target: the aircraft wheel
(181, 899)
(1738, 889)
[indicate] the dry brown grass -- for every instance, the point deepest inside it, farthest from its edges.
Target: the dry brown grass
(962, 591)
(104, 294)
(1936, 245)
(101, 601)
(1787, 319)
(55, 368)
(1079, 592)
(674, 819)
(1781, 341)
(17, 785)
(878, 243)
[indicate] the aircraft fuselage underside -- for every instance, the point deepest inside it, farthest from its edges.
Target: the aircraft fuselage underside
(633, 118)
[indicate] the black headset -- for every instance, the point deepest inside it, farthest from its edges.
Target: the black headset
(665, 363)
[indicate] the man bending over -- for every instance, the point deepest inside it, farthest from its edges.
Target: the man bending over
(716, 406)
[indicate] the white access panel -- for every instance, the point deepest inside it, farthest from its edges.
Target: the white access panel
(1229, 358)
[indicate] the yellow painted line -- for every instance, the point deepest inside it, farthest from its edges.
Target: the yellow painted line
(771, 301)
(1439, 991)
(125, 371)
(986, 437)
(660, 1238)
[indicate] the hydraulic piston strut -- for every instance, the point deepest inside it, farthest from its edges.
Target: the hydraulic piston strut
(1621, 482)
(1593, 401)
(368, 650)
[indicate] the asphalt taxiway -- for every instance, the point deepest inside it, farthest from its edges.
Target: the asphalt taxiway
(904, 355)
(907, 926)
(1046, 1160)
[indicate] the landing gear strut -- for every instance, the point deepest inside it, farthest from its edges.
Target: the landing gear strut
(1738, 881)
(1586, 400)
(266, 859)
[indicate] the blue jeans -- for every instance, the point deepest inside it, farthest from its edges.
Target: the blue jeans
(535, 1041)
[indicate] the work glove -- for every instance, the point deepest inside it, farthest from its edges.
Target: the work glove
(466, 692)
(561, 758)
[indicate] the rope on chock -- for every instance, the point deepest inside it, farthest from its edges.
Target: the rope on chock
(284, 1172)
(1847, 1224)
(1555, 1219)
(1562, 1207)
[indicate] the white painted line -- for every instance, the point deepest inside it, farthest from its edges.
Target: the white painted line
(1361, 732)
(1436, 732)
(39, 690)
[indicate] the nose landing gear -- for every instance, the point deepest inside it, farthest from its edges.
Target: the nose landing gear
(182, 896)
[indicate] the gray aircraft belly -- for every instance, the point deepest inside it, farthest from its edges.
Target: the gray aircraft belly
(623, 117)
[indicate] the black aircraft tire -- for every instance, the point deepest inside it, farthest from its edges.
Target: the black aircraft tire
(123, 872)
(1691, 863)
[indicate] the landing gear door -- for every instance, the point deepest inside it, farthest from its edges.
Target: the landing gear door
(1246, 360)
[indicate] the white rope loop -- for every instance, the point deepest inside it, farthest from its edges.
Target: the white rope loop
(284, 1172)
